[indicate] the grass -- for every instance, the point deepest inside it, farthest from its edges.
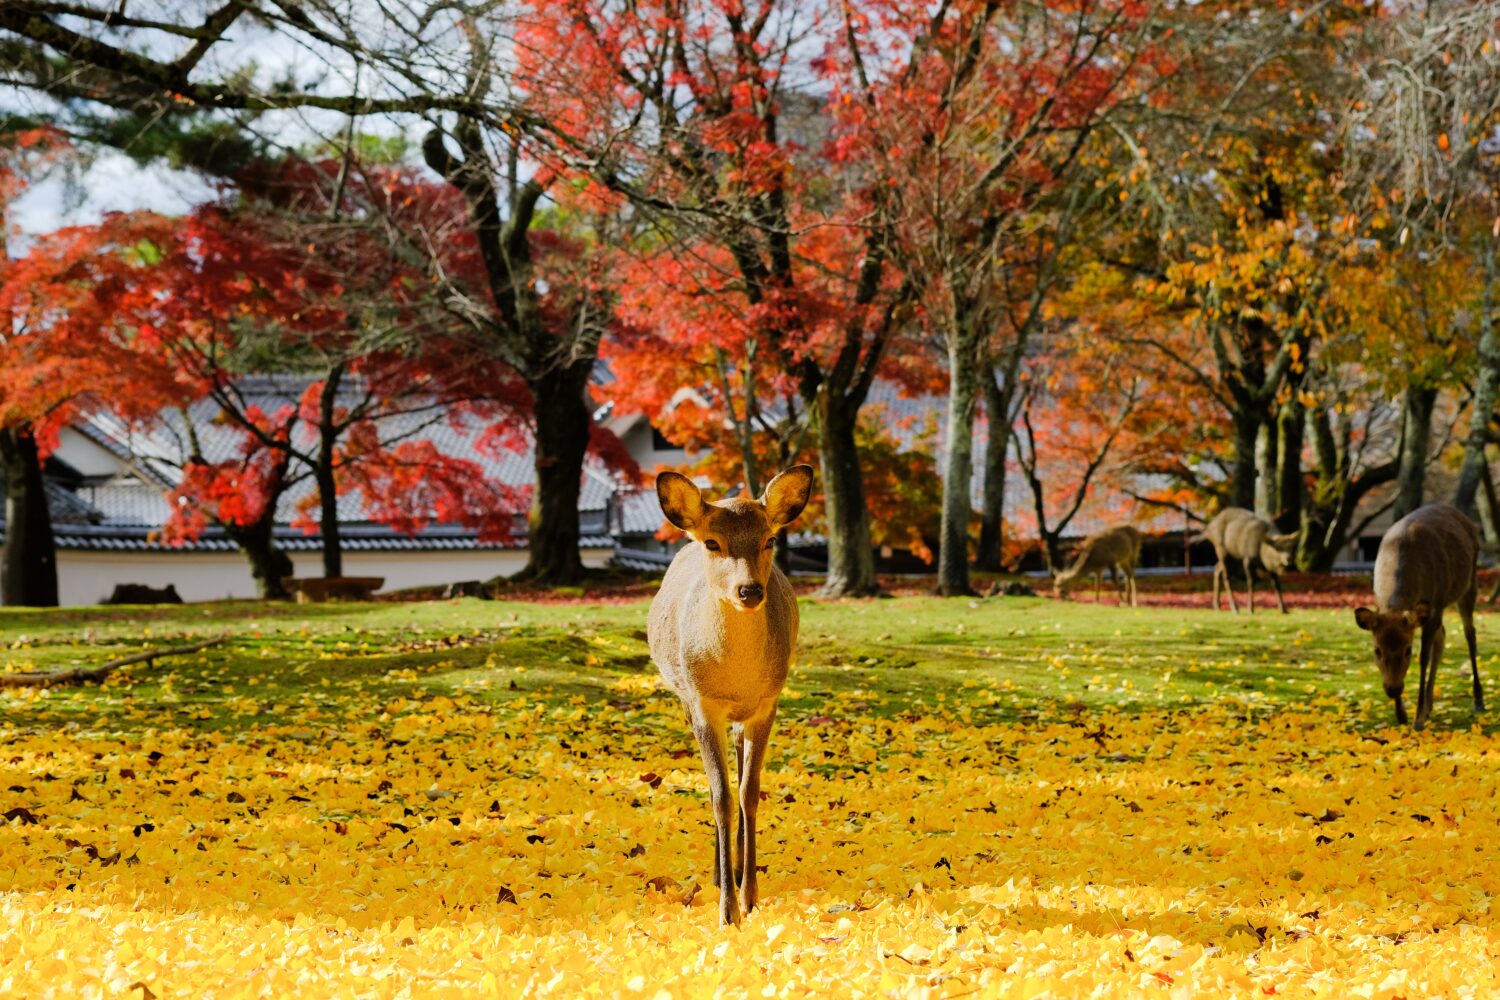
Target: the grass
(998, 659)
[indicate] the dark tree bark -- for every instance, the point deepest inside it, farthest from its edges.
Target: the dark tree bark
(326, 474)
(1291, 490)
(1247, 425)
(562, 437)
(1416, 442)
(28, 566)
(268, 564)
(992, 518)
(1328, 516)
(555, 363)
(851, 555)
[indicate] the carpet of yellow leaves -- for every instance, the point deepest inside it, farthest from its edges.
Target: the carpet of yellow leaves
(536, 849)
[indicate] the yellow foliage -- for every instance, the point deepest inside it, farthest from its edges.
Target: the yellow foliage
(461, 848)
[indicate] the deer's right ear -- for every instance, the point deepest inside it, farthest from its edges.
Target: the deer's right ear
(681, 500)
(1365, 618)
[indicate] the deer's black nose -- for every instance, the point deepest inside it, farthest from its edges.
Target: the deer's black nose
(751, 593)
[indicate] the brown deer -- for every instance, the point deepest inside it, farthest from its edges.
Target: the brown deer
(1238, 533)
(722, 631)
(1117, 549)
(1427, 561)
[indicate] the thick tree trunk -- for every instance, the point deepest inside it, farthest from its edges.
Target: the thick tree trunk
(1486, 390)
(1266, 467)
(28, 565)
(1242, 476)
(326, 477)
(1290, 487)
(958, 474)
(851, 557)
(992, 518)
(1416, 440)
(268, 564)
(562, 439)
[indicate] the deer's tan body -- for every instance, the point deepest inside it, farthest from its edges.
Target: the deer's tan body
(735, 664)
(1427, 560)
(722, 630)
(1237, 533)
(1115, 550)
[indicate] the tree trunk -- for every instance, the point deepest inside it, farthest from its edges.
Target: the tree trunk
(1416, 439)
(268, 564)
(562, 440)
(1266, 467)
(958, 460)
(1486, 390)
(326, 477)
(851, 556)
(1289, 484)
(992, 519)
(1242, 481)
(28, 566)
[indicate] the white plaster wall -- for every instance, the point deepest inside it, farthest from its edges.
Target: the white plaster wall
(86, 456)
(90, 577)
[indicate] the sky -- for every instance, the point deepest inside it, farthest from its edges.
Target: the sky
(112, 182)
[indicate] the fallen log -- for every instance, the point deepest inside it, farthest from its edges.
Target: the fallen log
(83, 675)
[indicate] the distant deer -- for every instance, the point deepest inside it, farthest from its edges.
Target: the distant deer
(1114, 549)
(722, 629)
(1427, 561)
(1238, 533)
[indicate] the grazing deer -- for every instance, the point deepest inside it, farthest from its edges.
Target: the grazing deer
(1427, 561)
(722, 631)
(1114, 549)
(1238, 533)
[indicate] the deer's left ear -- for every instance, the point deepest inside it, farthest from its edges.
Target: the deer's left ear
(787, 494)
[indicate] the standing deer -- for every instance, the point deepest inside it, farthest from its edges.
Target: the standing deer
(1427, 561)
(1238, 533)
(1114, 549)
(722, 631)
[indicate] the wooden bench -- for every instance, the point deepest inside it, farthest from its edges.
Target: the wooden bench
(317, 589)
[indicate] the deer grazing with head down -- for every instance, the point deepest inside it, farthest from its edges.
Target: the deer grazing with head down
(1427, 561)
(1116, 550)
(1239, 534)
(722, 630)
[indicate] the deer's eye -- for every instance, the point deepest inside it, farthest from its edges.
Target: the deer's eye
(710, 545)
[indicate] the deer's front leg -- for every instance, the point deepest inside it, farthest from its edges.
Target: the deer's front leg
(753, 743)
(1250, 584)
(711, 746)
(1280, 601)
(1432, 655)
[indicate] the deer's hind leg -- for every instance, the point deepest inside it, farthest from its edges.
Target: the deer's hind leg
(1466, 615)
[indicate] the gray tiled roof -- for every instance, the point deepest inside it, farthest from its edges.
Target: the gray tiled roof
(127, 511)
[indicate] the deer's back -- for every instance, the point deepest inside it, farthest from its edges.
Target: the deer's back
(1429, 555)
(1238, 532)
(706, 651)
(1115, 547)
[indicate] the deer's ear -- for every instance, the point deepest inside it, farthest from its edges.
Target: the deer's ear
(1418, 614)
(787, 494)
(1364, 618)
(1287, 542)
(681, 500)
